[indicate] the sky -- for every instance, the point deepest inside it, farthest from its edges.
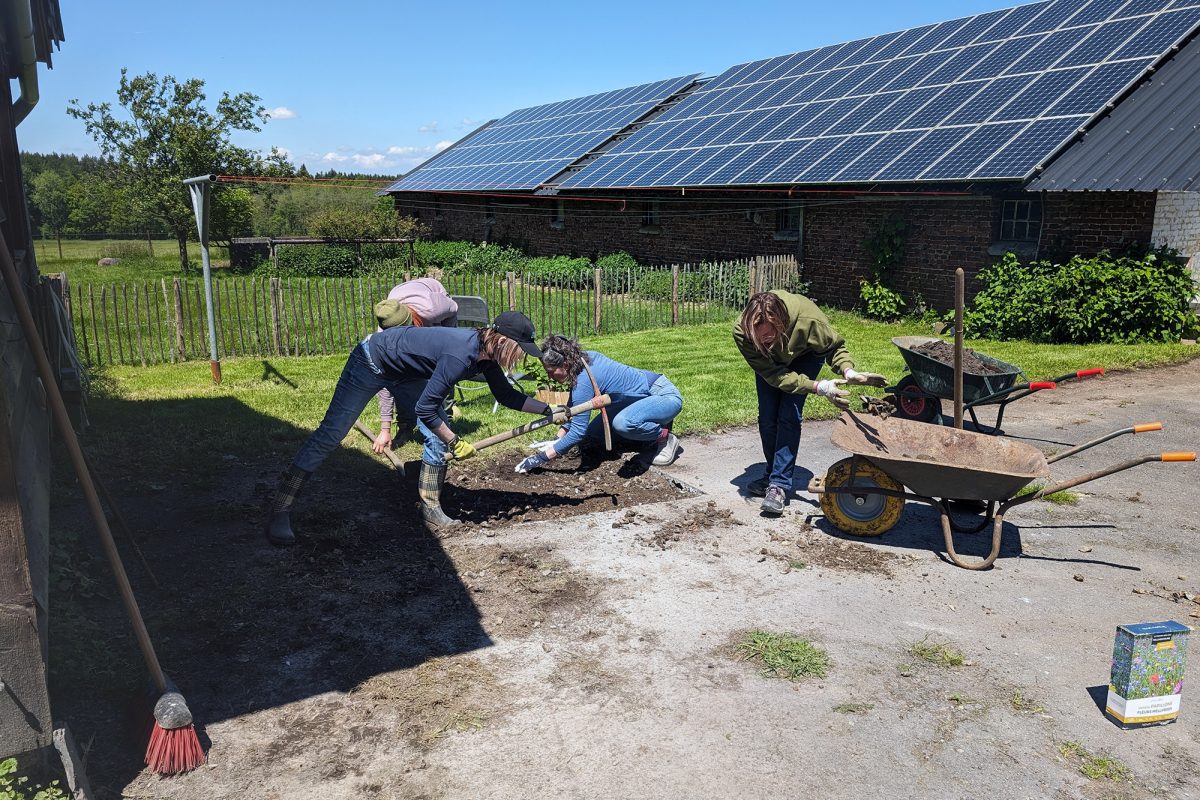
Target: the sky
(378, 87)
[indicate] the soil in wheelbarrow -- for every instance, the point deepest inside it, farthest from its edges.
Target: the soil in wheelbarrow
(944, 353)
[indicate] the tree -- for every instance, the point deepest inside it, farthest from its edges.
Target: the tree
(165, 135)
(51, 194)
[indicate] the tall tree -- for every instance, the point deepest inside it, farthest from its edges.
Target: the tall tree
(50, 194)
(166, 134)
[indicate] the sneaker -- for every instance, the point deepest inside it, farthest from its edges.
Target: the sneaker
(758, 487)
(775, 500)
(667, 451)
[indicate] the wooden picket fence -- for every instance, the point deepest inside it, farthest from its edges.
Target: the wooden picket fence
(166, 321)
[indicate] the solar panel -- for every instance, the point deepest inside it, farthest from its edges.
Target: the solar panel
(529, 146)
(990, 96)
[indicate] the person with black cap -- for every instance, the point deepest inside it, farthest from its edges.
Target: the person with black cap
(394, 359)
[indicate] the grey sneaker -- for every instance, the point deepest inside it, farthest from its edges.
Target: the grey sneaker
(667, 453)
(775, 500)
(757, 487)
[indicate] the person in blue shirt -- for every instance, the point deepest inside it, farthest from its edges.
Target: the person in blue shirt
(644, 403)
(420, 367)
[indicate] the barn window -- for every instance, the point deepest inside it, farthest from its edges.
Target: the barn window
(558, 216)
(651, 217)
(789, 222)
(1020, 220)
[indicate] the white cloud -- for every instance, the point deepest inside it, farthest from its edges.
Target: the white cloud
(429, 128)
(443, 144)
(468, 123)
(282, 112)
(397, 158)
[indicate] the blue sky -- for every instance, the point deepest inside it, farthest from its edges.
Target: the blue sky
(381, 86)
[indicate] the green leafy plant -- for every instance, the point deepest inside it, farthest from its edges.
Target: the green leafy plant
(886, 247)
(1095, 767)
(1103, 298)
(14, 786)
(880, 302)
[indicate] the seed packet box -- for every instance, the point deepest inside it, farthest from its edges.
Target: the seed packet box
(1146, 685)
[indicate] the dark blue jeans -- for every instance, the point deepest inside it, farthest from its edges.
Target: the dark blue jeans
(780, 416)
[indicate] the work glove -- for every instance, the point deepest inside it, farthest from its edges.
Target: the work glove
(459, 450)
(551, 410)
(865, 378)
(831, 390)
(533, 462)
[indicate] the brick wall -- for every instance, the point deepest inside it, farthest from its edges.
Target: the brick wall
(1083, 223)
(944, 232)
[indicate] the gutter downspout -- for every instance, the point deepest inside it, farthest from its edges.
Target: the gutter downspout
(28, 78)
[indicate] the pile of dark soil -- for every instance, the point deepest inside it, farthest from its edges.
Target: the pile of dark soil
(944, 352)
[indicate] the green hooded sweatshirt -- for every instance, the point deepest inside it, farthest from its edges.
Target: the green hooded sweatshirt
(807, 331)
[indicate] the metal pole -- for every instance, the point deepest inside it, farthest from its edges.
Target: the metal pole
(198, 188)
(959, 291)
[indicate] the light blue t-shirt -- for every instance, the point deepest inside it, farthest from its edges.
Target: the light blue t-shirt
(623, 383)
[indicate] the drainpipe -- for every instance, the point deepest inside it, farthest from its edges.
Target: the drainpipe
(28, 78)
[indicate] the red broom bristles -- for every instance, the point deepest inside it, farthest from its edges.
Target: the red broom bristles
(174, 751)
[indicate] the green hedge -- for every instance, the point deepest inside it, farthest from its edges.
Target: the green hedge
(1106, 298)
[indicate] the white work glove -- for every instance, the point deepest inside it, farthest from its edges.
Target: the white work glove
(864, 378)
(831, 390)
(532, 462)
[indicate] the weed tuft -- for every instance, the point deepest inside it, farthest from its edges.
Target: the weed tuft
(1095, 767)
(935, 652)
(784, 656)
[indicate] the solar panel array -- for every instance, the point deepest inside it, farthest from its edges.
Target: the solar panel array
(529, 146)
(983, 97)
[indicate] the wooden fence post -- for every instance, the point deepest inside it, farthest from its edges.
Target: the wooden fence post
(275, 314)
(512, 291)
(596, 280)
(674, 294)
(177, 287)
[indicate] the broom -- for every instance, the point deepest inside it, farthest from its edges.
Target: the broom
(174, 746)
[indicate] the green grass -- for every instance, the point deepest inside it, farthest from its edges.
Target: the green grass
(1020, 702)
(935, 652)
(784, 656)
(79, 257)
(1064, 498)
(1095, 767)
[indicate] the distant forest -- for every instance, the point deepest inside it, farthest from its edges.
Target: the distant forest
(82, 197)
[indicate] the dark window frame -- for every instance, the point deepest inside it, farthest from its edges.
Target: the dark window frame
(789, 222)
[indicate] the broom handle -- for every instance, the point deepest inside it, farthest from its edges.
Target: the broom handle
(67, 431)
(529, 427)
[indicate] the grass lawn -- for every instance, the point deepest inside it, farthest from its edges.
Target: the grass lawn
(79, 257)
(288, 396)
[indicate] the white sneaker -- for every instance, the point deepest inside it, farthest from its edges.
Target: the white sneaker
(667, 453)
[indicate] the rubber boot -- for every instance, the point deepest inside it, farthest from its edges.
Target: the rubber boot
(279, 521)
(429, 488)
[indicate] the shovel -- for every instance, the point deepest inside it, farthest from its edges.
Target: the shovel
(558, 419)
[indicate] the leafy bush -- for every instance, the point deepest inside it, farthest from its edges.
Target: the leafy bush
(1086, 300)
(656, 285)
(317, 260)
(615, 272)
(564, 271)
(880, 302)
(459, 258)
(14, 786)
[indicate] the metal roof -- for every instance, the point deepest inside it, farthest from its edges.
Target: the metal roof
(1149, 142)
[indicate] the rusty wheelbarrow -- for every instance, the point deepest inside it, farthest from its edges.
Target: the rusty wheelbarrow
(864, 494)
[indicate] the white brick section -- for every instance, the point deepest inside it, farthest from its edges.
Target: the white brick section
(1177, 225)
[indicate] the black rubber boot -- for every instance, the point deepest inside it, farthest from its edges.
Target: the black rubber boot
(279, 522)
(429, 488)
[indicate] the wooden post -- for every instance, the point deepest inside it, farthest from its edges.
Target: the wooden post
(674, 294)
(137, 322)
(596, 300)
(959, 290)
(512, 291)
(275, 314)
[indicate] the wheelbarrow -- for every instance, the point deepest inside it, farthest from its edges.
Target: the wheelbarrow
(895, 460)
(918, 395)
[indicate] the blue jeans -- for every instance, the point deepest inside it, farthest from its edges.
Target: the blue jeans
(780, 416)
(641, 419)
(359, 382)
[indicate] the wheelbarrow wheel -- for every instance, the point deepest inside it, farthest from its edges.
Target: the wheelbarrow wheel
(913, 402)
(866, 514)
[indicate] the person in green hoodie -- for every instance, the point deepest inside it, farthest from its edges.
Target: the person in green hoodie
(786, 339)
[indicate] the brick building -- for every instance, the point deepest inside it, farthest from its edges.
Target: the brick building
(1049, 129)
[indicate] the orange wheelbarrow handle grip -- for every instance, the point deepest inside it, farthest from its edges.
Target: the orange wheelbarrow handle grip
(1178, 456)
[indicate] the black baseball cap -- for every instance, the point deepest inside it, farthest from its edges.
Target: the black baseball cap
(519, 328)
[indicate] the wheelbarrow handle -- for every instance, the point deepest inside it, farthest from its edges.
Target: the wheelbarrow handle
(1091, 476)
(1178, 456)
(1087, 373)
(1037, 386)
(1146, 427)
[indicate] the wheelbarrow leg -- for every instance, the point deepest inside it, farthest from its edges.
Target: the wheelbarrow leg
(944, 507)
(948, 534)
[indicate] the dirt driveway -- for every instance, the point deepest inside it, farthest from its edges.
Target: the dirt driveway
(592, 656)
